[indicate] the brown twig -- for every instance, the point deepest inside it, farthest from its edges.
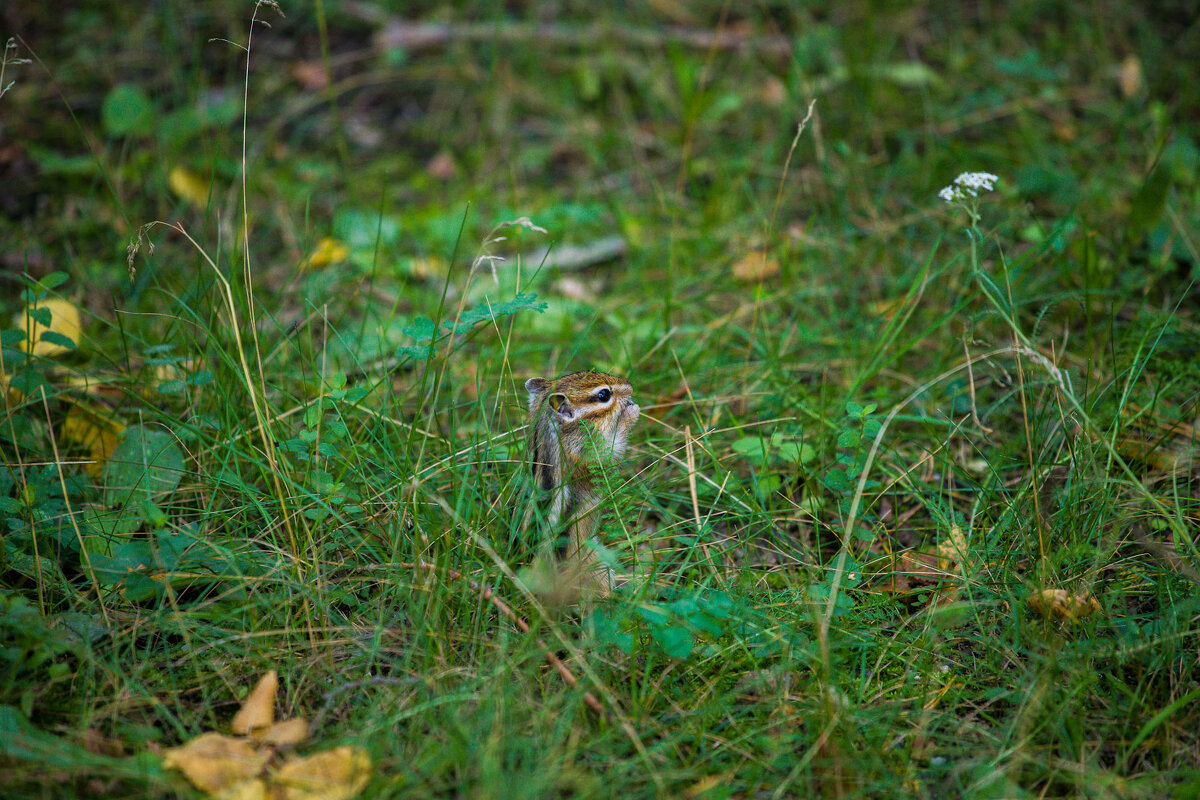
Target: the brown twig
(419, 36)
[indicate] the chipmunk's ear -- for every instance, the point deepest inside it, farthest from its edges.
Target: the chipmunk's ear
(562, 407)
(536, 388)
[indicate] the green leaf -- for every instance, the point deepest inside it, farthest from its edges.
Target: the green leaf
(114, 522)
(171, 547)
(717, 604)
(1148, 204)
(176, 127)
(608, 630)
(28, 381)
(98, 545)
(20, 740)
(654, 614)
(706, 623)
(155, 517)
(909, 74)
(54, 337)
(753, 448)
(53, 280)
(172, 387)
(863, 533)
(13, 357)
(126, 559)
(361, 229)
(40, 569)
(767, 485)
(796, 452)
(675, 641)
(421, 329)
(146, 462)
(313, 414)
(415, 352)
(42, 316)
(52, 162)
(486, 311)
(12, 337)
(139, 588)
(848, 438)
(127, 110)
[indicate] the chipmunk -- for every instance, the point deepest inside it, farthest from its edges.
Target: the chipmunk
(579, 423)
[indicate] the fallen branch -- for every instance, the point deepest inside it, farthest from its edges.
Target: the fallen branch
(417, 36)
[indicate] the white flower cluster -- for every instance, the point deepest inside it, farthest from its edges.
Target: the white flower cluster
(969, 184)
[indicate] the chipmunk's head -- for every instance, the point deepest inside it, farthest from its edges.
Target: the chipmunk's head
(605, 402)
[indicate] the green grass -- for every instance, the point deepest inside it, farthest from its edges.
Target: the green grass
(314, 455)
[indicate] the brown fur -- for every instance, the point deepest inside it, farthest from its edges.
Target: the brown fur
(563, 451)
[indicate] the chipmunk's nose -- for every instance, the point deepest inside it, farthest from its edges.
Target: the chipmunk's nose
(632, 409)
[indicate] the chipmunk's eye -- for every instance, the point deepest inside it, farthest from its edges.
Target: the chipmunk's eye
(603, 396)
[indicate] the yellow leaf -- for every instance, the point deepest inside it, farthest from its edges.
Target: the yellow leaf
(887, 307)
(755, 266)
(328, 251)
(10, 395)
(427, 267)
(64, 319)
(255, 789)
(93, 429)
(1059, 604)
(282, 734)
(216, 763)
(337, 774)
(952, 549)
(1129, 76)
(189, 186)
(259, 709)
(706, 783)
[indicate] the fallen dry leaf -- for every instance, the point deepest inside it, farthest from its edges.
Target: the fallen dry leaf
(908, 571)
(311, 75)
(282, 734)
(1129, 77)
(255, 789)
(337, 774)
(426, 267)
(705, 784)
(575, 289)
(189, 186)
(1060, 604)
(328, 251)
(214, 762)
(10, 396)
(442, 166)
(1065, 131)
(773, 91)
(1158, 449)
(259, 709)
(887, 307)
(65, 320)
(755, 266)
(94, 430)
(952, 549)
